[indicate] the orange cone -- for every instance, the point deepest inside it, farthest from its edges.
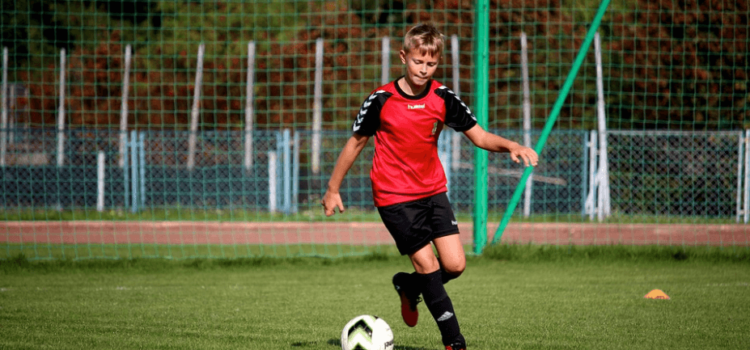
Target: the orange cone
(656, 294)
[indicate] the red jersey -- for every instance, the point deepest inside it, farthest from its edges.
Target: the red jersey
(406, 166)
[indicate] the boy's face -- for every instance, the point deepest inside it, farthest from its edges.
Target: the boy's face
(419, 68)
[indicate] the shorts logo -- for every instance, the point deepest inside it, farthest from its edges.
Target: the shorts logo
(454, 222)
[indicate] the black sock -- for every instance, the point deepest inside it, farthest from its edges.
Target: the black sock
(440, 306)
(415, 283)
(447, 277)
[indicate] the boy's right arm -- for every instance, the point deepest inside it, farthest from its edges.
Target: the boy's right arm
(332, 198)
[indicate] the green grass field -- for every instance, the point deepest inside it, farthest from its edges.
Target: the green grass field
(188, 251)
(531, 300)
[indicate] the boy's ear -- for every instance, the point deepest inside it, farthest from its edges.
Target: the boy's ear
(402, 54)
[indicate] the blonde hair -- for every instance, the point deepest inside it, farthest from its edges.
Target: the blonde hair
(426, 38)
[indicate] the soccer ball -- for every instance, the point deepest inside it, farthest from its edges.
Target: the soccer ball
(367, 332)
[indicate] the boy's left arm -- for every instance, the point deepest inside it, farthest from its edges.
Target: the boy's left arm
(495, 143)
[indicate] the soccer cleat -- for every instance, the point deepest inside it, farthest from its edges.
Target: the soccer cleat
(455, 346)
(409, 300)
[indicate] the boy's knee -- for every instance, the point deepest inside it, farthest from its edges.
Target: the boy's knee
(454, 268)
(425, 267)
(424, 261)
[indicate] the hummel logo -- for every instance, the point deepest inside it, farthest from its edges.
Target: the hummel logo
(375, 94)
(445, 316)
(357, 122)
(454, 222)
(416, 106)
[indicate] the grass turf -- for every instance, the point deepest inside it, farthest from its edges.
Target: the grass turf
(514, 298)
(61, 254)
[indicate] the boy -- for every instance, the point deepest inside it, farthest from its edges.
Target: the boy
(408, 181)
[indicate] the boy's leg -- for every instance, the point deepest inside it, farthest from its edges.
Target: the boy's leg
(428, 277)
(409, 286)
(407, 224)
(424, 260)
(452, 258)
(446, 238)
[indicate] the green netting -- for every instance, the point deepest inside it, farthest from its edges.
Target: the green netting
(238, 123)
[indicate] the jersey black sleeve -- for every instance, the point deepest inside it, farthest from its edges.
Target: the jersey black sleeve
(368, 118)
(457, 115)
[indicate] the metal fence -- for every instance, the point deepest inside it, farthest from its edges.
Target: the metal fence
(683, 174)
(659, 174)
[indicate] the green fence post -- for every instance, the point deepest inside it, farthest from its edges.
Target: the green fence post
(481, 89)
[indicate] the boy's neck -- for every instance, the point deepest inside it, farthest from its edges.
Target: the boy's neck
(410, 88)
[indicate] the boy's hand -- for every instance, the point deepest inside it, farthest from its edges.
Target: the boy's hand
(330, 201)
(528, 155)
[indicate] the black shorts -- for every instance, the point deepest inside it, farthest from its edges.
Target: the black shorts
(415, 224)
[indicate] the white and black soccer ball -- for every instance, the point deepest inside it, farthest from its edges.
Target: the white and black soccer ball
(367, 332)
